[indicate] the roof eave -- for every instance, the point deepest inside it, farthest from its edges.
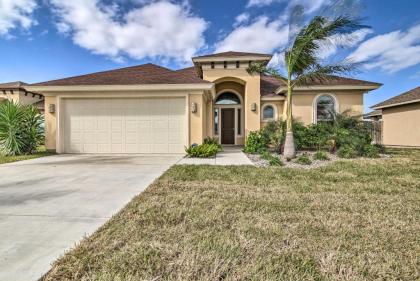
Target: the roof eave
(283, 89)
(229, 58)
(109, 88)
(378, 106)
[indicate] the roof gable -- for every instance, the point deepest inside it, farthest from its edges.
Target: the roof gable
(407, 97)
(135, 75)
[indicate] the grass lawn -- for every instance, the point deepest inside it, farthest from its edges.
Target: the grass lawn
(9, 159)
(351, 220)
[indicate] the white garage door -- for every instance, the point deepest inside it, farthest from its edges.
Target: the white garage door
(142, 125)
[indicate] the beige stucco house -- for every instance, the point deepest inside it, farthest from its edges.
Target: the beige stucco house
(152, 109)
(401, 119)
(15, 91)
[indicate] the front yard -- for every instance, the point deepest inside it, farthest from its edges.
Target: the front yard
(350, 220)
(41, 152)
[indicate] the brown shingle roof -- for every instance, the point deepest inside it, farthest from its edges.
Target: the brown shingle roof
(337, 81)
(269, 85)
(373, 113)
(135, 75)
(407, 97)
(233, 54)
(12, 85)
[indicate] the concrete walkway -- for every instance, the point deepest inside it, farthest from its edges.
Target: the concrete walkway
(48, 204)
(229, 156)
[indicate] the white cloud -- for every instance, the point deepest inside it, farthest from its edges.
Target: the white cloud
(390, 52)
(259, 3)
(159, 29)
(309, 5)
(16, 13)
(260, 36)
(242, 18)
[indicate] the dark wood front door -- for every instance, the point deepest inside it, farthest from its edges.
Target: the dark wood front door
(228, 126)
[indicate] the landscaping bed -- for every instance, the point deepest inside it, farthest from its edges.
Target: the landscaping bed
(351, 220)
(41, 152)
(343, 137)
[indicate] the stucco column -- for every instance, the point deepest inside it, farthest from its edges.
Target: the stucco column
(197, 119)
(252, 95)
(50, 124)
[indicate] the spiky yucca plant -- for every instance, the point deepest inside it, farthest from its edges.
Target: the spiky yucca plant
(303, 62)
(21, 130)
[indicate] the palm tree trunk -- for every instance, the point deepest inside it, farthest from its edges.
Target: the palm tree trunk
(289, 143)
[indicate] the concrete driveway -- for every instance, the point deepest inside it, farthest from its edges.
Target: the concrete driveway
(48, 204)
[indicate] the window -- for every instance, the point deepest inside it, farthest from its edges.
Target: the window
(237, 64)
(239, 121)
(216, 121)
(228, 99)
(325, 108)
(212, 65)
(268, 112)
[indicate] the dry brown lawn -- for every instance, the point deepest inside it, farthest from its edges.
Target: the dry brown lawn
(351, 220)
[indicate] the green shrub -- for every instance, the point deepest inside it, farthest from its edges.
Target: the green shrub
(347, 151)
(202, 151)
(314, 136)
(21, 130)
(272, 160)
(380, 147)
(303, 160)
(371, 151)
(321, 155)
(274, 132)
(214, 141)
(255, 142)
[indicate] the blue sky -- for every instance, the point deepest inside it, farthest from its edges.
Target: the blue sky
(47, 39)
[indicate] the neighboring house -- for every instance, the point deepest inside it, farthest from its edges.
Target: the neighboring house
(16, 92)
(375, 115)
(152, 109)
(401, 119)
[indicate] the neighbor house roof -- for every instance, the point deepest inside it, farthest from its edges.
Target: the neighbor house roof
(405, 98)
(135, 75)
(373, 113)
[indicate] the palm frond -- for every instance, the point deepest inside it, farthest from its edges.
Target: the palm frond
(323, 72)
(313, 37)
(262, 68)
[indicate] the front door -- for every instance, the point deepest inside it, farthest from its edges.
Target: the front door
(228, 126)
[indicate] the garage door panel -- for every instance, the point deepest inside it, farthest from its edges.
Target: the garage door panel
(125, 125)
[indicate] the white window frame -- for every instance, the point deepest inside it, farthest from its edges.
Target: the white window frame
(315, 105)
(274, 112)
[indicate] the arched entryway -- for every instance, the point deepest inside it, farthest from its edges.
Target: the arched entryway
(228, 116)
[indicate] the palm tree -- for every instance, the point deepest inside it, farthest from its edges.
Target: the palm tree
(303, 61)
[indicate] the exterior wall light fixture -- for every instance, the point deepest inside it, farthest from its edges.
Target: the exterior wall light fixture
(193, 107)
(51, 108)
(254, 107)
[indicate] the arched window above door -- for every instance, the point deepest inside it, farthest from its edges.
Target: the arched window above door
(228, 98)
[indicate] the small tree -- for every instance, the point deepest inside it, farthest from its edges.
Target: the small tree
(304, 64)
